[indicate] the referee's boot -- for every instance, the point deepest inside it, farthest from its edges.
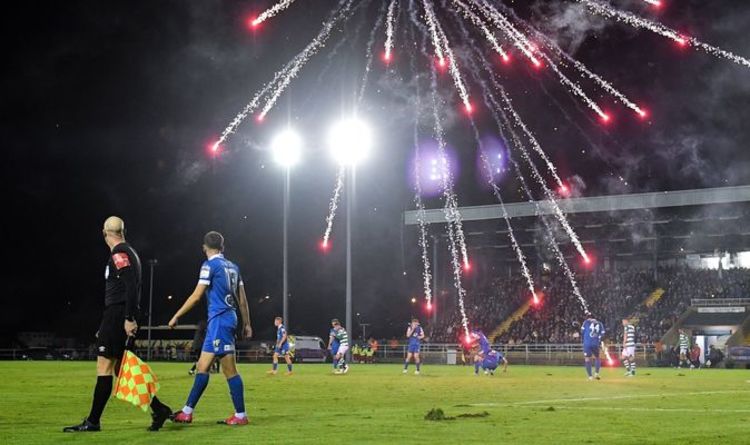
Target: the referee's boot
(83, 427)
(159, 416)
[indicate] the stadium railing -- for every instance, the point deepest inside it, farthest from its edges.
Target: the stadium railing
(719, 302)
(436, 353)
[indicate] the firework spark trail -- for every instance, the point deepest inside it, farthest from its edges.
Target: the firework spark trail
(658, 28)
(301, 59)
(519, 40)
(333, 205)
(423, 243)
(272, 11)
(368, 55)
(550, 196)
(430, 19)
(490, 176)
(583, 69)
(576, 89)
(453, 68)
(479, 23)
(452, 215)
(508, 107)
(503, 122)
(390, 30)
(653, 2)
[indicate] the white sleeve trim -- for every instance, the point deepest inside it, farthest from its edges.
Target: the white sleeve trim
(206, 282)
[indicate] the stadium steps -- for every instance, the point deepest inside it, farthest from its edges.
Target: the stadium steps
(503, 327)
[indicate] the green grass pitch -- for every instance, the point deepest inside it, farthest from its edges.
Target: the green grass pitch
(378, 404)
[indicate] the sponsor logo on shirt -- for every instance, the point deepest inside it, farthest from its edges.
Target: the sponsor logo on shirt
(121, 260)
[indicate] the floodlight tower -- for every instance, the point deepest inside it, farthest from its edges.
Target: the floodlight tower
(286, 148)
(350, 141)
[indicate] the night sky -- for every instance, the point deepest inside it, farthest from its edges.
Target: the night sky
(109, 107)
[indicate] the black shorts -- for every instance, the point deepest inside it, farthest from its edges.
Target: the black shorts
(110, 340)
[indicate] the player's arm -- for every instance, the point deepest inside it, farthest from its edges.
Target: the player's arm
(126, 273)
(409, 331)
(192, 300)
(421, 334)
(624, 337)
(245, 311)
(330, 342)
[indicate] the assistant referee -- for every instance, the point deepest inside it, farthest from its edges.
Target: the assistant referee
(122, 297)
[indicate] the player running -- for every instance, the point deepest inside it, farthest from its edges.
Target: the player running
(483, 348)
(220, 280)
(628, 347)
(339, 360)
(592, 332)
(415, 334)
(492, 360)
(684, 344)
(282, 347)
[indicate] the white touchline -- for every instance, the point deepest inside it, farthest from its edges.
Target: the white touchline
(634, 396)
(685, 410)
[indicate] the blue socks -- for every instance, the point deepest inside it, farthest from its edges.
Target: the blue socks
(598, 365)
(289, 368)
(476, 368)
(406, 365)
(588, 368)
(275, 365)
(418, 364)
(237, 390)
(199, 385)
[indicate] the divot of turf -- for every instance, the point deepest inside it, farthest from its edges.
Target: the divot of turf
(437, 415)
(473, 415)
(549, 408)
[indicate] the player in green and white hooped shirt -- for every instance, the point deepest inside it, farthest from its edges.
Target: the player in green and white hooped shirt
(339, 359)
(684, 344)
(628, 347)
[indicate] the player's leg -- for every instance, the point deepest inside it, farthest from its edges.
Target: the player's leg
(505, 364)
(417, 362)
(236, 390)
(406, 362)
(477, 363)
(288, 359)
(199, 385)
(626, 361)
(275, 362)
(587, 358)
(343, 367)
(597, 363)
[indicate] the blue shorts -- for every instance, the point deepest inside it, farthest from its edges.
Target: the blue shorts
(589, 350)
(220, 336)
(413, 348)
(334, 348)
(283, 350)
(490, 364)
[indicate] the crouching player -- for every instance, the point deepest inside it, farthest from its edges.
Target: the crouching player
(483, 348)
(220, 280)
(592, 332)
(492, 360)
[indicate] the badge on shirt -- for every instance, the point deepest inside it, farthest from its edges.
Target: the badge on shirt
(121, 260)
(205, 272)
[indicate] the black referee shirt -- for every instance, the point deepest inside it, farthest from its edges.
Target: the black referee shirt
(123, 279)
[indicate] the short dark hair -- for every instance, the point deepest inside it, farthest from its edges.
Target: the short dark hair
(279, 318)
(336, 321)
(415, 319)
(214, 240)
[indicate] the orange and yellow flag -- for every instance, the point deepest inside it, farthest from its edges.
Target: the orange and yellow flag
(136, 383)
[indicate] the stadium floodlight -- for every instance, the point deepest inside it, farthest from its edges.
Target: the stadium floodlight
(350, 141)
(287, 148)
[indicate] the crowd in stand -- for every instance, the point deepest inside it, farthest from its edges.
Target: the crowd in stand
(609, 296)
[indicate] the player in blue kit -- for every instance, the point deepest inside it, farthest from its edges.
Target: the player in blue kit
(220, 280)
(492, 360)
(415, 334)
(333, 346)
(281, 348)
(592, 332)
(483, 348)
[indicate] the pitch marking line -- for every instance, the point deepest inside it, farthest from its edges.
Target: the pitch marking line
(634, 396)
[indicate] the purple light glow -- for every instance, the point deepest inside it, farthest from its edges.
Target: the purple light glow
(432, 168)
(497, 155)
